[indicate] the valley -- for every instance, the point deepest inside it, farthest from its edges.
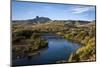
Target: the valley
(27, 40)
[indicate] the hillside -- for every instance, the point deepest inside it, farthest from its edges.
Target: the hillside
(82, 32)
(35, 20)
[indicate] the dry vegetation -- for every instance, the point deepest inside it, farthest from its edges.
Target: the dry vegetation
(29, 34)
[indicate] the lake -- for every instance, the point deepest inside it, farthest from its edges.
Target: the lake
(58, 49)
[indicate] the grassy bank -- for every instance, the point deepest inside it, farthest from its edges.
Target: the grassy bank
(28, 38)
(86, 37)
(26, 42)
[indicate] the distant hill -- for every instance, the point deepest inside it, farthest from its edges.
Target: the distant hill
(38, 20)
(41, 19)
(35, 20)
(72, 22)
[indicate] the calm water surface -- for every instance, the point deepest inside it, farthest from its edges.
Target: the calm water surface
(58, 49)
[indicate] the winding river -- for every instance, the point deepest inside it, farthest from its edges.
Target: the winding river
(58, 49)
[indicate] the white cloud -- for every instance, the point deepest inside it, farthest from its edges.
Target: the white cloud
(81, 9)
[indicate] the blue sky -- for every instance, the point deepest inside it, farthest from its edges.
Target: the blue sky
(29, 10)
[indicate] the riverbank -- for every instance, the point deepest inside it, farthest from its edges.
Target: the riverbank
(57, 50)
(85, 36)
(25, 44)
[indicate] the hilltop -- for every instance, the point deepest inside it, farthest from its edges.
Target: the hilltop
(35, 20)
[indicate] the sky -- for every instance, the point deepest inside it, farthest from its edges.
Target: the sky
(29, 10)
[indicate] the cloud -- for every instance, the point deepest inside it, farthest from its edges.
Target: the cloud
(81, 9)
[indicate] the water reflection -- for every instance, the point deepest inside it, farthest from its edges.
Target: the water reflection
(58, 49)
